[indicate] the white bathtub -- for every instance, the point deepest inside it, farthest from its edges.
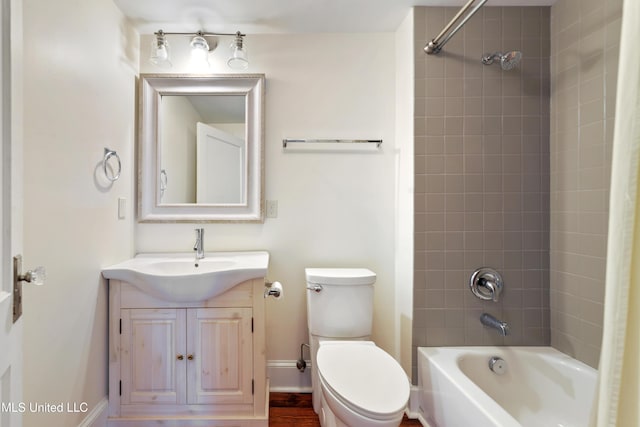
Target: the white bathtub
(541, 387)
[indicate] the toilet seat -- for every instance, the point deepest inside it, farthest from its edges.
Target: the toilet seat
(364, 378)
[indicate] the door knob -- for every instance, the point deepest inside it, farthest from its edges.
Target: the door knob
(36, 277)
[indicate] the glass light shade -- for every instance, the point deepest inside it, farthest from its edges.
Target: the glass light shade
(160, 52)
(199, 52)
(239, 59)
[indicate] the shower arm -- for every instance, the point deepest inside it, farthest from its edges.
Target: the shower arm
(490, 57)
(435, 45)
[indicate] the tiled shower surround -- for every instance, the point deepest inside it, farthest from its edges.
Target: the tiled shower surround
(584, 58)
(482, 177)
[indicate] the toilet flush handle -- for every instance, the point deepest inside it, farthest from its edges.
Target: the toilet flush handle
(315, 288)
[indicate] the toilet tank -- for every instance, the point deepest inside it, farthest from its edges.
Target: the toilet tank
(340, 302)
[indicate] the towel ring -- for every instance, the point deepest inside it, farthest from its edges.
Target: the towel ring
(108, 154)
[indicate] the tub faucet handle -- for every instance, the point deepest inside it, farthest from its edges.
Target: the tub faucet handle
(486, 283)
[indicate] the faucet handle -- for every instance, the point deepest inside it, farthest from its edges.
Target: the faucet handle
(493, 287)
(199, 236)
(199, 245)
(486, 283)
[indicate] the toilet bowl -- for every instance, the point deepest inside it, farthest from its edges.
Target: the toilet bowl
(361, 385)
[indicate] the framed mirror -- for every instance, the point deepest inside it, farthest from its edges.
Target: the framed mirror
(201, 148)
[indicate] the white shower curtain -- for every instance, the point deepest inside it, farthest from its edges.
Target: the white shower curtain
(618, 394)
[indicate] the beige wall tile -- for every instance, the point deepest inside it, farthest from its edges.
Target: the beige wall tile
(475, 122)
(583, 92)
(530, 155)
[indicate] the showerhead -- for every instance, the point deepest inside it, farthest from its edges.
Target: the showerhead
(507, 60)
(510, 60)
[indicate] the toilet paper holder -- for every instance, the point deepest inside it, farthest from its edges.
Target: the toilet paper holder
(273, 289)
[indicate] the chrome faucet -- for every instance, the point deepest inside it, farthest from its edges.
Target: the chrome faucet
(490, 321)
(199, 246)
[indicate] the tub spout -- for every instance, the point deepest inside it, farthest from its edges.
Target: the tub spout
(490, 321)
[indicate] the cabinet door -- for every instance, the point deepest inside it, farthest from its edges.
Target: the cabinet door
(152, 342)
(219, 340)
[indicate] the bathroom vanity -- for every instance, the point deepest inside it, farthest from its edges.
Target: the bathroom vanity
(186, 363)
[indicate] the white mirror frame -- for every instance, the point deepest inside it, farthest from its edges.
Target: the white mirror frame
(152, 88)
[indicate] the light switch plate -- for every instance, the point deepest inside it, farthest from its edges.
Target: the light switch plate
(272, 208)
(122, 207)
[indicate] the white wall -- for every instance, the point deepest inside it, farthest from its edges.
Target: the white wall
(79, 84)
(404, 192)
(334, 209)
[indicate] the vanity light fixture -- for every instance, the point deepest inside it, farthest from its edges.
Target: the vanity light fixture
(200, 49)
(239, 59)
(160, 51)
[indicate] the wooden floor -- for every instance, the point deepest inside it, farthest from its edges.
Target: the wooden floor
(296, 410)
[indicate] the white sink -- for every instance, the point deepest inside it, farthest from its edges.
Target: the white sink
(177, 277)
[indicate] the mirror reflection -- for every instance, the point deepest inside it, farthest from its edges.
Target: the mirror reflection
(203, 149)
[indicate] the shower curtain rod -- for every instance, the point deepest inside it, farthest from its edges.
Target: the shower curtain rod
(435, 46)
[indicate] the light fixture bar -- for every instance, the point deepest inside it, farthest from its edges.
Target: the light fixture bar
(200, 48)
(197, 33)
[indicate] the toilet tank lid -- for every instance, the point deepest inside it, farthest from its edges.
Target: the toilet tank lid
(340, 276)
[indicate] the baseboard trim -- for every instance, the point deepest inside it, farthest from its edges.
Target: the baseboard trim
(97, 417)
(285, 377)
(414, 408)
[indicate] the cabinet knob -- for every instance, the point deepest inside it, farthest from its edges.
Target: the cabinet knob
(190, 357)
(180, 357)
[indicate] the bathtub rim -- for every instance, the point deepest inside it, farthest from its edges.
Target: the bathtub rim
(463, 384)
(413, 409)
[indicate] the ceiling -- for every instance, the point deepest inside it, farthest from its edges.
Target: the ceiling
(282, 16)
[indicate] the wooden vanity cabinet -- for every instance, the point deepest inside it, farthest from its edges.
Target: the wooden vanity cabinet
(187, 364)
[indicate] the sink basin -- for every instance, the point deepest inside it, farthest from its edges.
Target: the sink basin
(177, 277)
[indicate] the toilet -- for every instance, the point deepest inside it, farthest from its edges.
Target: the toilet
(354, 382)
